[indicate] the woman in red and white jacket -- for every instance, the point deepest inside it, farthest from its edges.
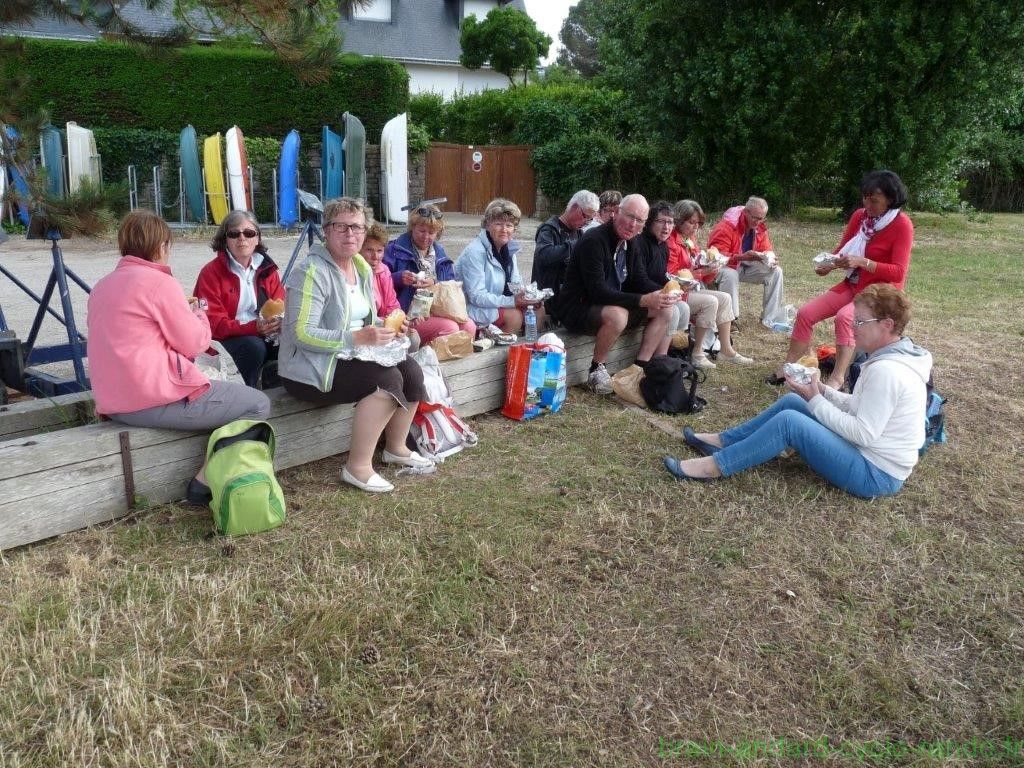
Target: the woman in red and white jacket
(143, 337)
(875, 248)
(236, 285)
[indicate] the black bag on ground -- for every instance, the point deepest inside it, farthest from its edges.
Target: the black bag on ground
(670, 385)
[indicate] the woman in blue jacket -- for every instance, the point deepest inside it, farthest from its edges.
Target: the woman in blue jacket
(488, 265)
(417, 260)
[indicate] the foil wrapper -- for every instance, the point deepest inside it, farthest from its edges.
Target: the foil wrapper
(530, 292)
(799, 373)
(825, 259)
(388, 355)
(705, 259)
(686, 285)
(420, 305)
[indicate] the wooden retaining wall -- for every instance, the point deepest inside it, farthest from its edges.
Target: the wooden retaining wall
(55, 479)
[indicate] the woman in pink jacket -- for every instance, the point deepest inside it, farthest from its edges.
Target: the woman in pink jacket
(143, 337)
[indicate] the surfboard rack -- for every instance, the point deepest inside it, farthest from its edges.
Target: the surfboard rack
(311, 227)
(19, 357)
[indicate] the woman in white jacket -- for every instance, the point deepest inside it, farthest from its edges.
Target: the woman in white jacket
(866, 442)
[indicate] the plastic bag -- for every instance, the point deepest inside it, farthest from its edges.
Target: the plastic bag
(217, 364)
(534, 381)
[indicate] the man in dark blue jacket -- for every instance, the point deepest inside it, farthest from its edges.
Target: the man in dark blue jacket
(556, 237)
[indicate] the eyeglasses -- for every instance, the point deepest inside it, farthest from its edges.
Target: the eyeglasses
(665, 222)
(339, 227)
(859, 323)
(503, 223)
(635, 219)
(588, 216)
(428, 213)
(755, 219)
(234, 234)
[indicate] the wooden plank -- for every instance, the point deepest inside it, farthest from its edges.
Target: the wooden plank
(56, 482)
(45, 415)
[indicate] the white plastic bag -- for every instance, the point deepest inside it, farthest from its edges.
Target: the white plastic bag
(219, 366)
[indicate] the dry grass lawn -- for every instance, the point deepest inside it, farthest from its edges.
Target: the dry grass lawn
(555, 598)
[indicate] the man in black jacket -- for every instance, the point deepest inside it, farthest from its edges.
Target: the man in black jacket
(603, 292)
(556, 237)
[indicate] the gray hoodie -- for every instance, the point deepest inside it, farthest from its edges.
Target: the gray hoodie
(316, 321)
(884, 416)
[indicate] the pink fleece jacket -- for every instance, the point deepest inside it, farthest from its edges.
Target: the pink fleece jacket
(384, 290)
(142, 339)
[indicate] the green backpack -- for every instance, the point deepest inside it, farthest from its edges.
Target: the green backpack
(240, 472)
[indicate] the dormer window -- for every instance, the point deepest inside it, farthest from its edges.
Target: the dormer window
(377, 10)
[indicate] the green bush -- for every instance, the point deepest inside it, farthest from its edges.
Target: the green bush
(121, 147)
(100, 84)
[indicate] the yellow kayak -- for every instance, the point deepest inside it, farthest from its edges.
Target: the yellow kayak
(213, 173)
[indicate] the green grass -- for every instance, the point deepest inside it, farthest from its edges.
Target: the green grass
(554, 598)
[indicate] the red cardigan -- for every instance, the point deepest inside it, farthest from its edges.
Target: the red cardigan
(889, 248)
(220, 287)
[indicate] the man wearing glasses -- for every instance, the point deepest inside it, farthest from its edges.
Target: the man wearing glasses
(601, 295)
(556, 238)
(743, 237)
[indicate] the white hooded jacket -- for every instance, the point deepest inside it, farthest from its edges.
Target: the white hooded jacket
(884, 416)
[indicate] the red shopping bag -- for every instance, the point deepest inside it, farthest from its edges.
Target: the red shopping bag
(534, 381)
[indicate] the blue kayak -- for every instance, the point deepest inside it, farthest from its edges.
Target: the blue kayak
(355, 156)
(287, 181)
(18, 180)
(191, 173)
(331, 164)
(52, 149)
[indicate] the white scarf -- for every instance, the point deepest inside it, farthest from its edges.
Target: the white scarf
(857, 244)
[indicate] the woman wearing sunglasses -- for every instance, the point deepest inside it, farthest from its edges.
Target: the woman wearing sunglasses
(143, 337)
(236, 284)
(331, 310)
(417, 260)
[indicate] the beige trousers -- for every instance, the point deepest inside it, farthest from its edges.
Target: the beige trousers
(709, 309)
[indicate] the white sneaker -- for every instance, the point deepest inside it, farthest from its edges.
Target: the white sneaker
(701, 361)
(600, 381)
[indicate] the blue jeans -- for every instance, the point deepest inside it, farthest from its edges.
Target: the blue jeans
(789, 424)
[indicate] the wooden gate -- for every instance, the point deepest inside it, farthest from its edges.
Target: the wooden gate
(472, 176)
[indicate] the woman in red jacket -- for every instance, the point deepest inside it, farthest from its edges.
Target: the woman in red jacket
(875, 248)
(236, 285)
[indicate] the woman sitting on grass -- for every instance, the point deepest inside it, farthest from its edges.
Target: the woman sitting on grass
(143, 337)
(866, 442)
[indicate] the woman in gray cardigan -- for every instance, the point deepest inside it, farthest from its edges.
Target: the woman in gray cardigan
(329, 310)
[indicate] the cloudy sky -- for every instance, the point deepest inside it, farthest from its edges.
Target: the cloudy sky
(549, 15)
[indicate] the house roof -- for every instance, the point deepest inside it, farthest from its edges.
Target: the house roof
(419, 30)
(154, 22)
(424, 30)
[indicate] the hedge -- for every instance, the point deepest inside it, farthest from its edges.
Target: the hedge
(101, 84)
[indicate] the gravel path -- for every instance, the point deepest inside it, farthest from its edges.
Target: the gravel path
(30, 261)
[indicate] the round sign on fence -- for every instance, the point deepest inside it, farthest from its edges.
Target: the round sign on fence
(478, 157)
(477, 167)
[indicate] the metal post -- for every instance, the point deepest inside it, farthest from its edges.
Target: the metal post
(156, 191)
(133, 189)
(181, 196)
(77, 352)
(273, 176)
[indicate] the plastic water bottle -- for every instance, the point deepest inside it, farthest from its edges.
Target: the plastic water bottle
(531, 326)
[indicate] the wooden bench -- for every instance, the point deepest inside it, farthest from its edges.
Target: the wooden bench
(54, 480)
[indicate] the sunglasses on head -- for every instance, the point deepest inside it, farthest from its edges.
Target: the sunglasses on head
(234, 234)
(429, 213)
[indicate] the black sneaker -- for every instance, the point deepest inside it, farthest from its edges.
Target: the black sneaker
(198, 494)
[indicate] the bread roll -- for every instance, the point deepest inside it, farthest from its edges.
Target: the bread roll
(809, 361)
(672, 287)
(685, 274)
(395, 320)
(272, 308)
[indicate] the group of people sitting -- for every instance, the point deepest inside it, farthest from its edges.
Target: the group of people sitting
(605, 259)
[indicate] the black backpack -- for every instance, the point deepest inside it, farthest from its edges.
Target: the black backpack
(669, 385)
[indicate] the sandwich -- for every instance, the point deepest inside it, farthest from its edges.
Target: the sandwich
(272, 308)
(395, 321)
